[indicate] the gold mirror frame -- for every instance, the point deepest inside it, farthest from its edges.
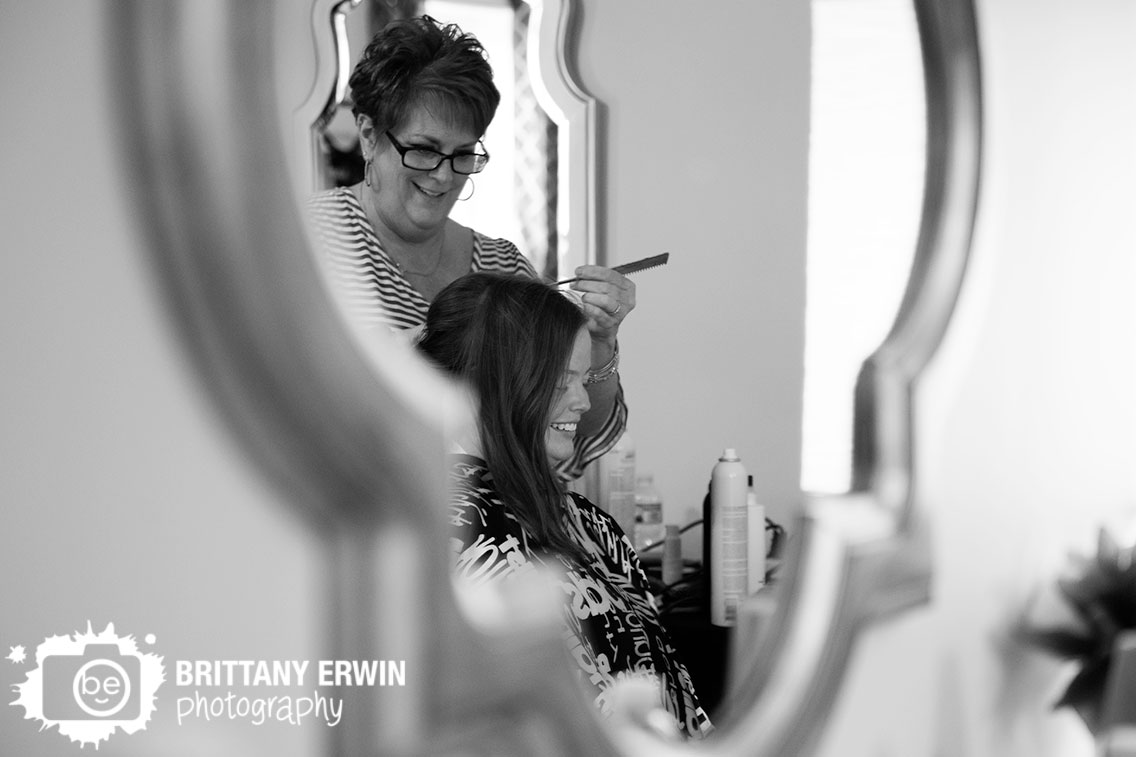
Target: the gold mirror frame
(356, 441)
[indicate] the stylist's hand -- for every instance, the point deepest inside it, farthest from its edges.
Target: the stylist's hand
(608, 297)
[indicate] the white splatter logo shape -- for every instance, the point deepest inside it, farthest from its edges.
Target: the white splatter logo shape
(90, 684)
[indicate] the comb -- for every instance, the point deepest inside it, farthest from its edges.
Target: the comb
(633, 267)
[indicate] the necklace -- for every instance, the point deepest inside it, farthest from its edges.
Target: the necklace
(403, 269)
(431, 272)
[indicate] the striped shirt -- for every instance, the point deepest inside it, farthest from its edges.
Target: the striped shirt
(377, 294)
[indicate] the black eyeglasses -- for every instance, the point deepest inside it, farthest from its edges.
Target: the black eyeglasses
(425, 159)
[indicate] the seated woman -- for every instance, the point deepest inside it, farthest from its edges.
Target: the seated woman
(524, 349)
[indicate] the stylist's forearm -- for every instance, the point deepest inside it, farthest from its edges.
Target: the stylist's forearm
(602, 396)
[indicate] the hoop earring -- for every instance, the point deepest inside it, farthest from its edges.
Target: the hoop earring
(367, 172)
(472, 189)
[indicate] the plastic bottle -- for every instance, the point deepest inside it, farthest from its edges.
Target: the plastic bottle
(729, 574)
(617, 483)
(649, 528)
(672, 556)
(755, 558)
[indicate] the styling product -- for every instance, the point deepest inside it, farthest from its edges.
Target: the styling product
(649, 527)
(728, 536)
(755, 558)
(706, 544)
(672, 555)
(617, 483)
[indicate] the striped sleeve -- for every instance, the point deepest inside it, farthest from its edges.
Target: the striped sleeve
(501, 256)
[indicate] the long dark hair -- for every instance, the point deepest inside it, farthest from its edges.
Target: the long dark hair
(418, 61)
(511, 338)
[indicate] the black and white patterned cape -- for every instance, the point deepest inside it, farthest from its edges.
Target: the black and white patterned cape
(612, 625)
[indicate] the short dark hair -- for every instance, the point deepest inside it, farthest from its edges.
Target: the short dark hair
(420, 62)
(511, 338)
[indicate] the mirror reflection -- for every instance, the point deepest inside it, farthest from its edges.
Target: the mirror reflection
(518, 199)
(745, 292)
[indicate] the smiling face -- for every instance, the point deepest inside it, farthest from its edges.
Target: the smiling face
(102, 688)
(570, 401)
(411, 203)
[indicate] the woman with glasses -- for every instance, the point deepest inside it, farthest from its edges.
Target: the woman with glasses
(524, 350)
(423, 96)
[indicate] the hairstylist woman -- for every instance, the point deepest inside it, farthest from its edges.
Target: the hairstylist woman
(423, 96)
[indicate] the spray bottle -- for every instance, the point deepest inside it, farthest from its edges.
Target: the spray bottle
(728, 528)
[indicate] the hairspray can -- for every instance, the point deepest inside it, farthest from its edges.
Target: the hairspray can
(729, 527)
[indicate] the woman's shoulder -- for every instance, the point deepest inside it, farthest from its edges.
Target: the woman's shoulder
(473, 497)
(469, 474)
(332, 207)
(601, 525)
(594, 511)
(488, 543)
(591, 509)
(499, 254)
(336, 197)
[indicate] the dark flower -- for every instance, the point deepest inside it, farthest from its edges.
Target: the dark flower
(1101, 592)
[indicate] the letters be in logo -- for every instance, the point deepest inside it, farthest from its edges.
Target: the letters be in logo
(100, 683)
(88, 685)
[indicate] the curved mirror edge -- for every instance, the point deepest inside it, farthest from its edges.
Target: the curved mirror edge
(329, 90)
(837, 564)
(883, 423)
(574, 113)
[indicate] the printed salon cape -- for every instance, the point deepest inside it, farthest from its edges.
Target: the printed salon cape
(613, 628)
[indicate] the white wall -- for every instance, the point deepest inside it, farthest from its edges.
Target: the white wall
(1027, 426)
(123, 498)
(706, 148)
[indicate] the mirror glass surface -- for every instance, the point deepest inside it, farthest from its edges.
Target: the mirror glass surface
(357, 443)
(865, 180)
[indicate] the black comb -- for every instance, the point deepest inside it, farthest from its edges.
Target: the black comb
(633, 267)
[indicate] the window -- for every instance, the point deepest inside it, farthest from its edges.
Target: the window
(866, 164)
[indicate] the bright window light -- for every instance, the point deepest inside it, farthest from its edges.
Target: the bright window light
(490, 209)
(866, 165)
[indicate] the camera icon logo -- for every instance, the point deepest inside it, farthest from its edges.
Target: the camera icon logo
(99, 683)
(91, 684)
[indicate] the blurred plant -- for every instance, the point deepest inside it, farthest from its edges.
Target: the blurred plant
(1100, 592)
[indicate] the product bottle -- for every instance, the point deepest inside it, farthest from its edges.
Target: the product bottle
(672, 556)
(617, 483)
(755, 559)
(649, 527)
(728, 536)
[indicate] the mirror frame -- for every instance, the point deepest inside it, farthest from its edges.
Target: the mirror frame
(329, 89)
(356, 441)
